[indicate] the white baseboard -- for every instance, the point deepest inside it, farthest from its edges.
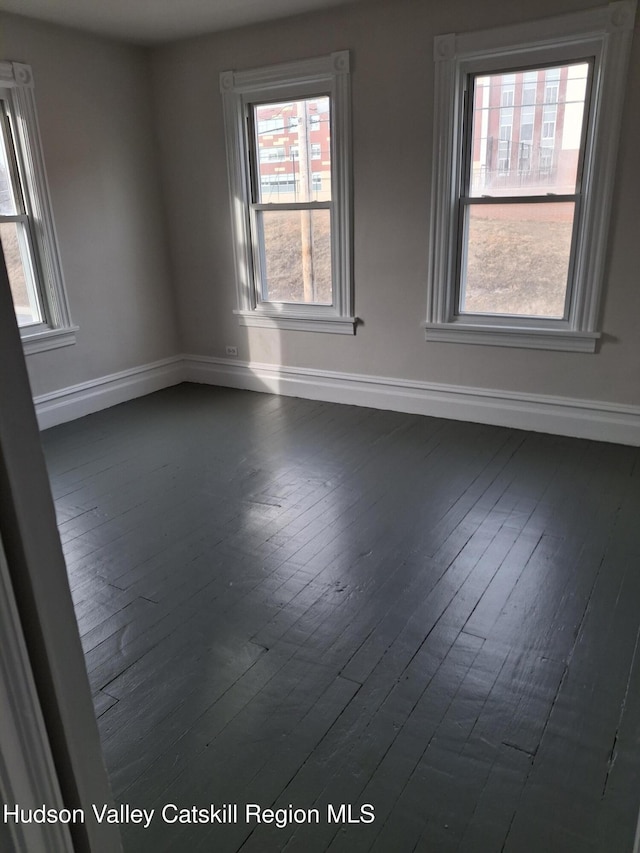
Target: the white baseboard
(600, 421)
(618, 423)
(73, 402)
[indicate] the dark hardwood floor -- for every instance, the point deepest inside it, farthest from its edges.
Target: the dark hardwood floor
(285, 602)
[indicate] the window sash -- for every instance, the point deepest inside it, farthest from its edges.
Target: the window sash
(463, 243)
(256, 156)
(26, 241)
(26, 260)
(255, 159)
(11, 155)
(258, 248)
(466, 201)
(465, 140)
(293, 205)
(259, 253)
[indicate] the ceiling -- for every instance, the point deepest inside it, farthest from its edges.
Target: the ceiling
(154, 21)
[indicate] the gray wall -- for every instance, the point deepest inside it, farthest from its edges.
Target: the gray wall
(391, 45)
(93, 101)
(134, 147)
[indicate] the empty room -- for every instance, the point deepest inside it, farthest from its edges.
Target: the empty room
(319, 426)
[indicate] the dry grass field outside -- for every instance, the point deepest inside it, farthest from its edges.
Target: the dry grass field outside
(517, 261)
(517, 267)
(283, 254)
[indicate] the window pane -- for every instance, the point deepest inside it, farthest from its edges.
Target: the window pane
(293, 141)
(517, 259)
(297, 255)
(527, 130)
(7, 197)
(16, 256)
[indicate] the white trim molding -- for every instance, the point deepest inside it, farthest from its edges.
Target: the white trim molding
(600, 421)
(503, 336)
(38, 585)
(48, 339)
(75, 401)
(27, 771)
(301, 323)
(601, 37)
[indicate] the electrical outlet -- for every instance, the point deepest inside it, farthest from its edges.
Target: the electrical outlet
(232, 351)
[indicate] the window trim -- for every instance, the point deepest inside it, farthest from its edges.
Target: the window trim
(603, 33)
(58, 330)
(326, 75)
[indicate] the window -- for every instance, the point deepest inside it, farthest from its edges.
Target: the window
(507, 87)
(527, 120)
(26, 225)
(504, 140)
(316, 151)
(271, 125)
(270, 155)
(515, 245)
(291, 210)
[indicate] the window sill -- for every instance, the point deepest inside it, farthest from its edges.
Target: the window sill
(299, 323)
(499, 336)
(49, 339)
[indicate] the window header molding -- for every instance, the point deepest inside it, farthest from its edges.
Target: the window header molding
(617, 17)
(603, 33)
(15, 74)
(318, 70)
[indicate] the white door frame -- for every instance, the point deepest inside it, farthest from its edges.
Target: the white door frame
(45, 682)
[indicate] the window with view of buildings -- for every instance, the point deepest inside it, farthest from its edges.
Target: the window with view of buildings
(529, 116)
(522, 190)
(288, 147)
(294, 263)
(26, 225)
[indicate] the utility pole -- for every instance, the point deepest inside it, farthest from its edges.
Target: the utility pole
(308, 278)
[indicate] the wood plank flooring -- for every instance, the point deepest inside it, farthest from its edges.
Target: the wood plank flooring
(284, 602)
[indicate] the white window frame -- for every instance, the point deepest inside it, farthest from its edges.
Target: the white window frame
(321, 76)
(57, 329)
(602, 36)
